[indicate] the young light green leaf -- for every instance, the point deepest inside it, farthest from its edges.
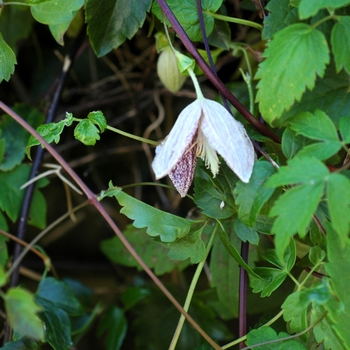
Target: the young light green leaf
(338, 190)
(54, 12)
(286, 72)
(340, 39)
(294, 213)
(114, 22)
(187, 15)
(87, 132)
(308, 8)
(316, 255)
(7, 60)
(22, 313)
(299, 171)
(245, 233)
(266, 334)
(99, 119)
(344, 128)
(252, 196)
(154, 254)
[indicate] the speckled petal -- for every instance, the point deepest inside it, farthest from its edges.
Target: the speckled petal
(173, 148)
(182, 175)
(228, 137)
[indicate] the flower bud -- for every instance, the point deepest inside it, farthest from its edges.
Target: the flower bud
(168, 71)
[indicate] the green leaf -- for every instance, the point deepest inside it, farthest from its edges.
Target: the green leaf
(3, 276)
(132, 295)
(308, 8)
(344, 128)
(60, 294)
(86, 132)
(22, 344)
(299, 171)
(15, 136)
(214, 195)
(252, 196)
(339, 262)
(292, 143)
(55, 12)
(186, 13)
(286, 72)
(154, 254)
(57, 325)
(316, 255)
(159, 223)
(22, 313)
(111, 23)
(99, 119)
(3, 251)
(38, 208)
(114, 324)
(288, 258)
(246, 233)
(267, 334)
(338, 190)
(340, 39)
(7, 60)
(320, 150)
(58, 30)
(281, 15)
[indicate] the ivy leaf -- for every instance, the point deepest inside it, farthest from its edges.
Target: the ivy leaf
(344, 128)
(286, 72)
(252, 196)
(340, 38)
(186, 13)
(114, 21)
(338, 189)
(7, 60)
(87, 132)
(22, 313)
(99, 119)
(281, 15)
(266, 334)
(15, 136)
(339, 261)
(152, 253)
(54, 12)
(308, 8)
(115, 325)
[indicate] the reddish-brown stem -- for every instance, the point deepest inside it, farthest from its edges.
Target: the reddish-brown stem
(94, 201)
(212, 76)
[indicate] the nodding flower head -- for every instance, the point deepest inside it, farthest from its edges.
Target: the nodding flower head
(203, 129)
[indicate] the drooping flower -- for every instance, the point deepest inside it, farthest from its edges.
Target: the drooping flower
(203, 129)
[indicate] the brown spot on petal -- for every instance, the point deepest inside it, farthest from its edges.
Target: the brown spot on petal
(182, 175)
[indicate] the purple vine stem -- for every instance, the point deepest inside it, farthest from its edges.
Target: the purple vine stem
(220, 86)
(94, 201)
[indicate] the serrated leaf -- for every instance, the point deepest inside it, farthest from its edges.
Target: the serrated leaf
(115, 325)
(340, 39)
(320, 150)
(299, 171)
(159, 223)
(252, 196)
(154, 254)
(246, 233)
(292, 143)
(338, 192)
(114, 22)
(344, 128)
(289, 257)
(57, 325)
(59, 293)
(286, 72)
(7, 60)
(99, 119)
(266, 334)
(308, 8)
(87, 132)
(22, 313)
(339, 261)
(186, 13)
(53, 12)
(294, 213)
(281, 15)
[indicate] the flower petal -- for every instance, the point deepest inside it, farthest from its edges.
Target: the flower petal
(170, 151)
(229, 138)
(182, 175)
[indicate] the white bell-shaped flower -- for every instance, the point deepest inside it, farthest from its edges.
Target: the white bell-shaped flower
(203, 129)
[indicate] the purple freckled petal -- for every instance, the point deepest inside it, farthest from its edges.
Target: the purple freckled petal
(182, 175)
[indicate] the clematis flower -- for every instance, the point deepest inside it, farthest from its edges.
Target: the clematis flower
(203, 129)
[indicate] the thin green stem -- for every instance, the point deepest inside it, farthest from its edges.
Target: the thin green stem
(293, 279)
(195, 83)
(191, 289)
(234, 20)
(325, 19)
